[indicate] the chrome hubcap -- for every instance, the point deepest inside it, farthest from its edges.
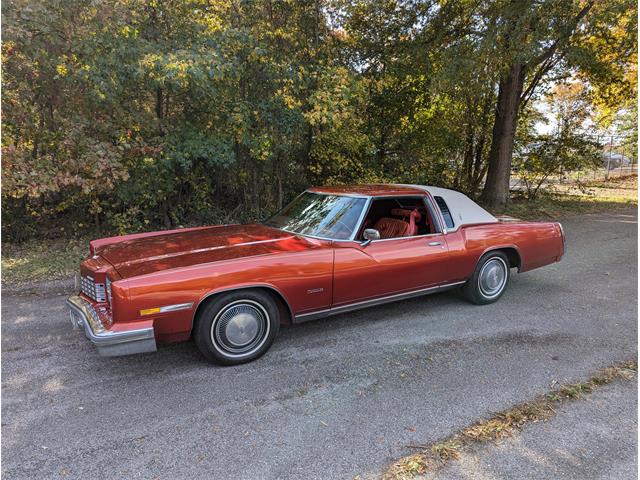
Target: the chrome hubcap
(493, 277)
(240, 328)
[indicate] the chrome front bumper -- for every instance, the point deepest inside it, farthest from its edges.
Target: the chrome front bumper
(108, 342)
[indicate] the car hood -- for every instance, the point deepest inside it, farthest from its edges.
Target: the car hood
(191, 247)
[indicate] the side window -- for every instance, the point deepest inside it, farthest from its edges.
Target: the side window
(446, 213)
(399, 217)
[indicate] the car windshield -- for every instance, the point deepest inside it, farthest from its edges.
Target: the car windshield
(328, 216)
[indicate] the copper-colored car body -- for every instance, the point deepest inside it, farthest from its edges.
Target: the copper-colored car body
(155, 283)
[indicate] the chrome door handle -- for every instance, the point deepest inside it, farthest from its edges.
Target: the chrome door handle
(435, 244)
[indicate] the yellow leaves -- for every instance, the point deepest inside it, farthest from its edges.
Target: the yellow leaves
(407, 468)
(448, 449)
(289, 100)
(568, 90)
(129, 32)
(95, 207)
(212, 24)
(61, 70)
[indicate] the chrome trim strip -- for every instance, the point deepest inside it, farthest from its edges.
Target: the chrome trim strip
(305, 317)
(406, 238)
(360, 221)
(435, 211)
(350, 195)
(109, 343)
(177, 306)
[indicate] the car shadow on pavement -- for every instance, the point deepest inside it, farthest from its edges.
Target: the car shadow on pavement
(318, 333)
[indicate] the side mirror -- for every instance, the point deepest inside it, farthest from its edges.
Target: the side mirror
(369, 235)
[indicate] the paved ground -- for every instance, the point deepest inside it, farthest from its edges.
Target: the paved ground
(595, 437)
(332, 399)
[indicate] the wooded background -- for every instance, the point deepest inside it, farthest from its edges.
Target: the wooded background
(123, 115)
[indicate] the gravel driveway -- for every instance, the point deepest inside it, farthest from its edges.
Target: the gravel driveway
(332, 399)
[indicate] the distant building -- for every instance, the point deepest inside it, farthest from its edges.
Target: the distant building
(614, 159)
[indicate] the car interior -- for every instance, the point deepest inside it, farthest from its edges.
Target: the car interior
(398, 217)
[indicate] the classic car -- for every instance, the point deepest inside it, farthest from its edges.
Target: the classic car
(331, 250)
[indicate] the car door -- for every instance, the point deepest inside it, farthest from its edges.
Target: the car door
(387, 267)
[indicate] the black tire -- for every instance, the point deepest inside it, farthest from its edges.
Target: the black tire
(492, 270)
(237, 327)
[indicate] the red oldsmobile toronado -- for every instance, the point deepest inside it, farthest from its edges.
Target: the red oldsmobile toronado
(331, 250)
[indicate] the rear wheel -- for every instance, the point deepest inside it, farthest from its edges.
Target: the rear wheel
(489, 280)
(237, 327)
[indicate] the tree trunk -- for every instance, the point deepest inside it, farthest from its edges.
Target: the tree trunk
(280, 191)
(496, 188)
(464, 180)
(159, 103)
(478, 168)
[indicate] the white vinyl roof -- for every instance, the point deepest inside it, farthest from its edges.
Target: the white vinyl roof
(464, 211)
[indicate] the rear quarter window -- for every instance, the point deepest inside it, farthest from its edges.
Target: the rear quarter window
(446, 213)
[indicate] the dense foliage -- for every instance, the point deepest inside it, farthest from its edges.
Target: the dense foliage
(123, 115)
(540, 156)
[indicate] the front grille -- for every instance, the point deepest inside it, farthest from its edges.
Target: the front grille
(91, 289)
(109, 290)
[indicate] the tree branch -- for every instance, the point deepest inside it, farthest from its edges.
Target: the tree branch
(548, 53)
(537, 77)
(546, 60)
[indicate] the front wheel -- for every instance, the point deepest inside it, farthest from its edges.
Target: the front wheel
(237, 327)
(489, 280)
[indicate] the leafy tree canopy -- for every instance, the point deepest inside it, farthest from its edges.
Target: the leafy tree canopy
(125, 115)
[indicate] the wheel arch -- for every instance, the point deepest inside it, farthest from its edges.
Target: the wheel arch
(511, 251)
(286, 313)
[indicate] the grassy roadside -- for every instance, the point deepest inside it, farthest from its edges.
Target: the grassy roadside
(551, 207)
(568, 200)
(38, 260)
(433, 457)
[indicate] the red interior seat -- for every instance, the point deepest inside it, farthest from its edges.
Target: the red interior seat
(391, 227)
(395, 227)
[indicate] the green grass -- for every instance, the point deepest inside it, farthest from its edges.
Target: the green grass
(550, 207)
(572, 199)
(37, 260)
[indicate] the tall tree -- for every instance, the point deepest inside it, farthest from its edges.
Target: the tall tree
(148, 114)
(535, 39)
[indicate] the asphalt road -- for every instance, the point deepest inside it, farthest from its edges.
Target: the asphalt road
(332, 399)
(595, 437)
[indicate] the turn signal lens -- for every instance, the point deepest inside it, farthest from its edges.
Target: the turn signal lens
(149, 311)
